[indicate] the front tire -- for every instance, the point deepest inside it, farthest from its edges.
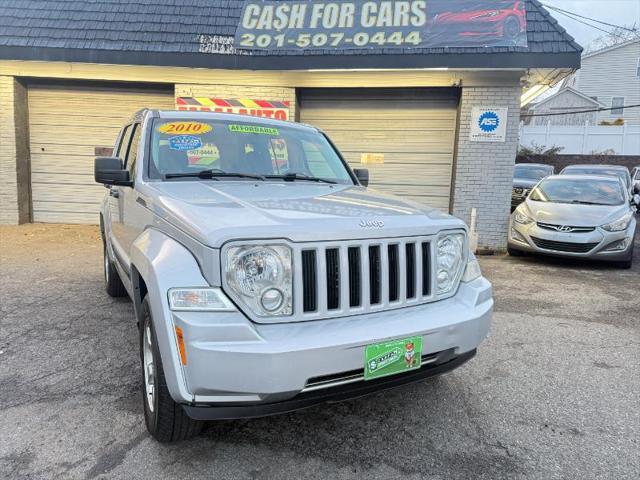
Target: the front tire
(112, 282)
(166, 420)
(625, 264)
(514, 253)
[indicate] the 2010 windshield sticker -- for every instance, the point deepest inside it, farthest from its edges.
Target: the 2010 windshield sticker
(185, 143)
(254, 129)
(185, 128)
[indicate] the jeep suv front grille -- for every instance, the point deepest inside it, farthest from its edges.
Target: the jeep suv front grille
(363, 276)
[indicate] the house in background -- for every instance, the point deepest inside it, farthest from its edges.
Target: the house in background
(608, 78)
(567, 99)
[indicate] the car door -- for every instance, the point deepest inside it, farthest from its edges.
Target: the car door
(118, 196)
(114, 192)
(133, 214)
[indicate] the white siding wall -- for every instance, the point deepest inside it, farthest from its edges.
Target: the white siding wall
(613, 74)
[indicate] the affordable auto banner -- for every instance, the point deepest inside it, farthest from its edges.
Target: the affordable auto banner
(342, 25)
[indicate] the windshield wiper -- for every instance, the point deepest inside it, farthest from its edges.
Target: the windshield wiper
(292, 177)
(213, 174)
(580, 202)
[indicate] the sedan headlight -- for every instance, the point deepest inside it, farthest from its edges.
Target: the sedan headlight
(260, 277)
(521, 217)
(620, 224)
(450, 261)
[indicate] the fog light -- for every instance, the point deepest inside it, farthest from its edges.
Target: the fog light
(618, 245)
(516, 235)
(272, 299)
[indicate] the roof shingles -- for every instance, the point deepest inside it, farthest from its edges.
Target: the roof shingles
(175, 26)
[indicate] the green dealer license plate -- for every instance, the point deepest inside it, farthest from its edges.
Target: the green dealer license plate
(393, 357)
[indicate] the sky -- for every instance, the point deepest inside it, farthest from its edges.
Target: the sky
(618, 12)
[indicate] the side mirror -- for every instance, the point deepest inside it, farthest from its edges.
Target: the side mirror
(636, 200)
(110, 171)
(362, 174)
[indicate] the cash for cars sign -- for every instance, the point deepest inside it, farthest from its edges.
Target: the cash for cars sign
(342, 24)
(489, 124)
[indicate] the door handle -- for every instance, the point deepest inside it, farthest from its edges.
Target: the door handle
(114, 192)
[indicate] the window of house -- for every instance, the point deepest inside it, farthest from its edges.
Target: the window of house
(638, 68)
(617, 106)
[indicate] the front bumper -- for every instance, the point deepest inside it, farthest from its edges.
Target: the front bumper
(234, 363)
(446, 361)
(534, 239)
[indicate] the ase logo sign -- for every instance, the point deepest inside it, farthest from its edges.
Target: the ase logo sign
(488, 124)
(489, 121)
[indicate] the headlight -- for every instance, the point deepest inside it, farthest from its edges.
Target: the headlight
(260, 277)
(450, 258)
(521, 217)
(620, 224)
(200, 300)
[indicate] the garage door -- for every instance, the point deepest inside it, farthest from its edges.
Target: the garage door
(408, 133)
(66, 124)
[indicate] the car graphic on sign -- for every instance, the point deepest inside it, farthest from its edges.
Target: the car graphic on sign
(504, 18)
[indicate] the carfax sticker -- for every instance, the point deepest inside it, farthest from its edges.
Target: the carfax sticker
(390, 358)
(185, 143)
(254, 129)
(185, 128)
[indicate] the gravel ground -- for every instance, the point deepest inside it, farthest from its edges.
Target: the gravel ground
(553, 394)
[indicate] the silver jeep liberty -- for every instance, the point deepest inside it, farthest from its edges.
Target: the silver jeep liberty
(267, 278)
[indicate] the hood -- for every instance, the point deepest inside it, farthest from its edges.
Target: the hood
(575, 215)
(216, 212)
(524, 183)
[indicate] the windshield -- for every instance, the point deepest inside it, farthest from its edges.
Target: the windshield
(613, 172)
(580, 191)
(531, 172)
(184, 148)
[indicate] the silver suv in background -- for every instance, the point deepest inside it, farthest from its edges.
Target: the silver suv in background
(266, 277)
(577, 216)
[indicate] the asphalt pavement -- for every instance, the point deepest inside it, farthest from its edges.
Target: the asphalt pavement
(553, 394)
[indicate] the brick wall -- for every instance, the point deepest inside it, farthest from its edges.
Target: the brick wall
(14, 152)
(240, 91)
(484, 171)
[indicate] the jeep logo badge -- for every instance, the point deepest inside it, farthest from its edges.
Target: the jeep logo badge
(371, 223)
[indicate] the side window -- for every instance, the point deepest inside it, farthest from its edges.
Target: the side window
(316, 161)
(123, 141)
(132, 153)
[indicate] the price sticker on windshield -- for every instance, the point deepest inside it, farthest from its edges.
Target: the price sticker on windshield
(185, 128)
